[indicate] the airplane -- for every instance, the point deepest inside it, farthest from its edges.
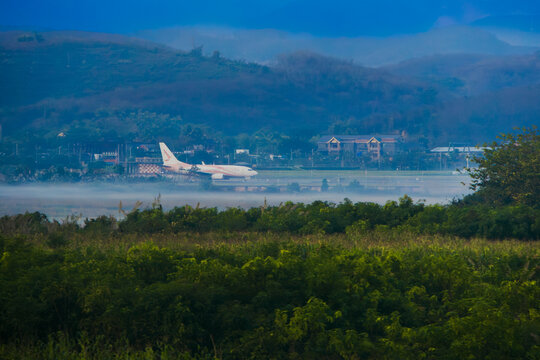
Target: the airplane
(216, 172)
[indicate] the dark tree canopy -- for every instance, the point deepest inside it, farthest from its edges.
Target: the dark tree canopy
(509, 171)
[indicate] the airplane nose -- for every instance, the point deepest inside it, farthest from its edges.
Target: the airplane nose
(254, 173)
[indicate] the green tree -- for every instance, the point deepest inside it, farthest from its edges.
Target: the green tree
(509, 171)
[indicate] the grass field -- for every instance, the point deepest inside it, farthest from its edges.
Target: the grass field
(190, 241)
(248, 295)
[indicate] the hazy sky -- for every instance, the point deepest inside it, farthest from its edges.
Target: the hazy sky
(328, 18)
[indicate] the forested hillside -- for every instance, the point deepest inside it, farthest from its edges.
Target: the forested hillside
(472, 74)
(57, 81)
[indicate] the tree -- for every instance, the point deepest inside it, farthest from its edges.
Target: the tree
(293, 187)
(324, 186)
(509, 170)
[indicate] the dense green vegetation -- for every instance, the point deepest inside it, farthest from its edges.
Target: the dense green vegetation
(508, 222)
(241, 296)
(509, 171)
(519, 222)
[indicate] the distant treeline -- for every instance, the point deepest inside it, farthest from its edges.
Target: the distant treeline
(458, 219)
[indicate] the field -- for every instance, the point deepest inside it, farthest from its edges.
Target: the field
(246, 295)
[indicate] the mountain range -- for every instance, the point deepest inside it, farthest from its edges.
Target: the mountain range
(51, 80)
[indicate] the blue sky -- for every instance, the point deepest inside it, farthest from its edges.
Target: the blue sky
(325, 18)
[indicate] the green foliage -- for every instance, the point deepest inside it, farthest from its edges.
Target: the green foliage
(28, 223)
(479, 220)
(509, 171)
(56, 239)
(286, 299)
(145, 221)
(102, 225)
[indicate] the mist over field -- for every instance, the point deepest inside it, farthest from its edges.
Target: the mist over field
(94, 199)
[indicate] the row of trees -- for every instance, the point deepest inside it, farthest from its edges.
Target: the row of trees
(512, 221)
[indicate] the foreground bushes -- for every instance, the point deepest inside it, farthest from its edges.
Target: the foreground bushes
(269, 300)
(516, 222)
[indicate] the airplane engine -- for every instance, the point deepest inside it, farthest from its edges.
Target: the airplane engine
(217, 176)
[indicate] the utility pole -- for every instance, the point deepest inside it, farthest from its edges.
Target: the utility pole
(125, 158)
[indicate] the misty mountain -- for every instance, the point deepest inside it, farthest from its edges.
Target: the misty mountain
(471, 75)
(49, 82)
(263, 46)
(53, 81)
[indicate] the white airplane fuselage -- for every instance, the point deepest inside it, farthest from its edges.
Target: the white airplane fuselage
(215, 171)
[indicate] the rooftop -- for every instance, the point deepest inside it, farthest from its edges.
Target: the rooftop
(346, 138)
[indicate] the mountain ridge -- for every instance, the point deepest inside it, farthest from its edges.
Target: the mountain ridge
(50, 84)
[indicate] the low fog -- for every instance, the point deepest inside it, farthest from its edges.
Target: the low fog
(94, 199)
(265, 45)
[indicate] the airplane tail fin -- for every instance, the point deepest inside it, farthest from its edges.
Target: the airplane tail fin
(169, 158)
